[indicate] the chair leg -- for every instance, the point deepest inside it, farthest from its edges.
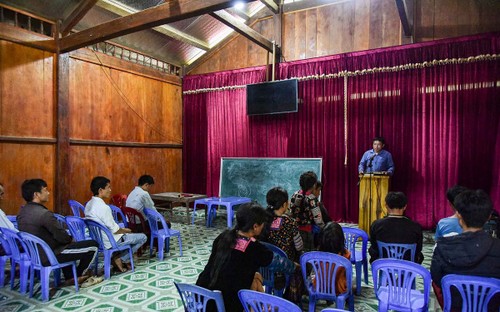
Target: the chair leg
(12, 274)
(23, 276)
(151, 243)
(365, 270)
(358, 278)
(75, 277)
(312, 304)
(180, 245)
(44, 283)
(32, 280)
(161, 244)
(107, 265)
(131, 255)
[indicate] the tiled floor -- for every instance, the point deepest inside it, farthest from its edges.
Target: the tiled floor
(150, 287)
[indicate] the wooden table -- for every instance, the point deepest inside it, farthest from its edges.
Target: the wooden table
(175, 197)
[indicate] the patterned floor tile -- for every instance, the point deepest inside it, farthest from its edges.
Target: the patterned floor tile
(151, 287)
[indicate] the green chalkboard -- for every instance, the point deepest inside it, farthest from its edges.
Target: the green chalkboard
(253, 177)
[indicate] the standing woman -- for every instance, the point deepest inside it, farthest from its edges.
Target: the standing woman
(236, 257)
(284, 233)
(305, 208)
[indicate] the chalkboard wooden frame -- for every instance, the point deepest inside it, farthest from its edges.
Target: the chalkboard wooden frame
(253, 177)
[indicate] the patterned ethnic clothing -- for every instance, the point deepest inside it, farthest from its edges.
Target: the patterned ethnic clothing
(308, 213)
(284, 233)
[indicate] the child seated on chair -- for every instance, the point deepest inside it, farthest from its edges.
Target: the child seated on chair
(283, 231)
(331, 239)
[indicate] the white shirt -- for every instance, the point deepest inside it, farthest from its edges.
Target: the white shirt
(97, 210)
(5, 222)
(139, 199)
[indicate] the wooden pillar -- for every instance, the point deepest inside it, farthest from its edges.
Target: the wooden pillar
(61, 93)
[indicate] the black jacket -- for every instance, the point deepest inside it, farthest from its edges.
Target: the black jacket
(469, 253)
(36, 219)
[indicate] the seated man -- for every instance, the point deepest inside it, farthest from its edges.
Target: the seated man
(97, 210)
(449, 226)
(36, 219)
(396, 228)
(473, 252)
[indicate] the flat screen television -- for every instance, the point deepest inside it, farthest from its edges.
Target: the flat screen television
(274, 97)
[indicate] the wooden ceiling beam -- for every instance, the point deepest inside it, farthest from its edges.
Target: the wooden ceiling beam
(243, 29)
(272, 5)
(78, 13)
(169, 12)
(406, 16)
(123, 10)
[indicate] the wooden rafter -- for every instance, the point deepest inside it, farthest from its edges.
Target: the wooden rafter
(243, 29)
(123, 10)
(272, 5)
(406, 16)
(169, 12)
(83, 7)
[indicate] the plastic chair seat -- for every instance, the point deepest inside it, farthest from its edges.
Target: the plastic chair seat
(254, 301)
(16, 257)
(162, 235)
(202, 201)
(34, 245)
(269, 275)
(358, 257)
(417, 298)
(97, 232)
(195, 298)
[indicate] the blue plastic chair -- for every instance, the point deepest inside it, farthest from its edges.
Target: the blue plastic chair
(476, 291)
(394, 281)
(3, 259)
(162, 235)
(13, 219)
(98, 232)
(254, 301)
(268, 274)
(77, 228)
(396, 251)
(17, 257)
(34, 246)
(195, 298)
(118, 215)
(324, 267)
(77, 208)
(358, 257)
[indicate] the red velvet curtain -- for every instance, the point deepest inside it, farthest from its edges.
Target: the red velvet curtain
(441, 122)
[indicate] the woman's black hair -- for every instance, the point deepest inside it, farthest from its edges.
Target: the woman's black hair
(275, 198)
(246, 216)
(332, 239)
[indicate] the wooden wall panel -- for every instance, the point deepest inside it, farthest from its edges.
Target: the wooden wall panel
(113, 105)
(356, 25)
(21, 162)
(124, 166)
(26, 95)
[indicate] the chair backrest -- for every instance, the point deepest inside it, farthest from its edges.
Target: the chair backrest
(77, 227)
(399, 279)
(396, 251)
(268, 274)
(154, 217)
(254, 301)
(135, 226)
(195, 298)
(4, 244)
(77, 208)
(61, 219)
(352, 237)
(13, 241)
(13, 219)
(324, 267)
(35, 246)
(476, 291)
(118, 215)
(119, 200)
(98, 232)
